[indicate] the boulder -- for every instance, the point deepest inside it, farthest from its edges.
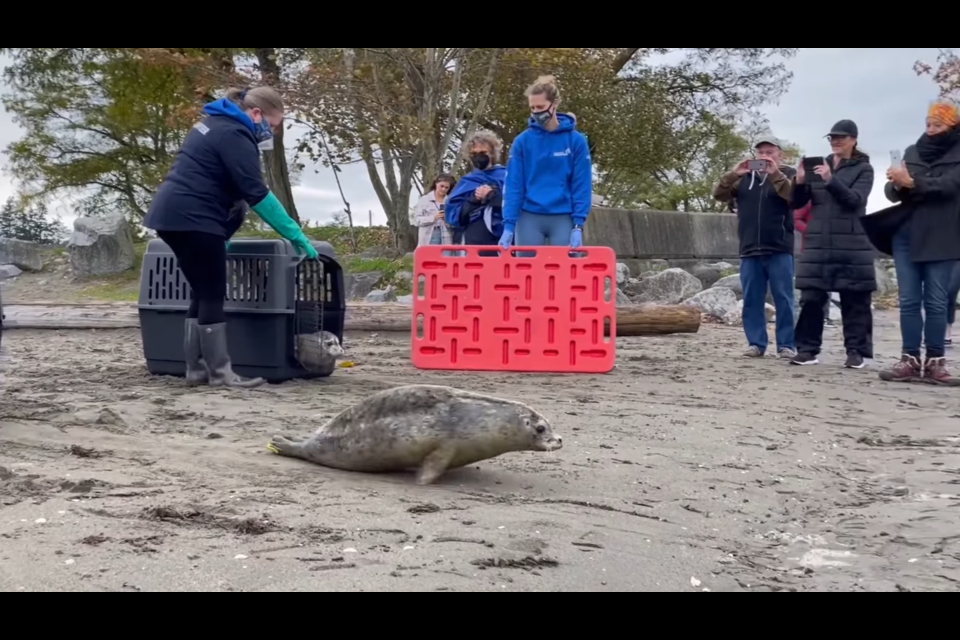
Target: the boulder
(731, 282)
(622, 299)
(9, 271)
(384, 295)
(358, 286)
(735, 317)
(623, 274)
(886, 286)
(23, 255)
(101, 246)
(405, 300)
(707, 274)
(669, 287)
(717, 302)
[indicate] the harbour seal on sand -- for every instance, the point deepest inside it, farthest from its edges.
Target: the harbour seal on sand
(319, 352)
(423, 427)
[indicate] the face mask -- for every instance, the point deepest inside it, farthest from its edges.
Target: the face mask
(264, 135)
(543, 117)
(481, 161)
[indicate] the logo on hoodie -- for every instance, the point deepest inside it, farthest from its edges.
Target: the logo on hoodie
(202, 128)
(563, 154)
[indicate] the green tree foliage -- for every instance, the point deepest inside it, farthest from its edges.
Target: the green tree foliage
(30, 223)
(102, 122)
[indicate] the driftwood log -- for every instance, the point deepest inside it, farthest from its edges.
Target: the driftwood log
(639, 320)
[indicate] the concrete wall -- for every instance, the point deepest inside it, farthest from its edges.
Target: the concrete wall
(664, 235)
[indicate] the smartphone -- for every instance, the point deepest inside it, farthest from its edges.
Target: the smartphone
(809, 164)
(896, 158)
(757, 165)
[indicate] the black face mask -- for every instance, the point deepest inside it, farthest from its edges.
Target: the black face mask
(481, 161)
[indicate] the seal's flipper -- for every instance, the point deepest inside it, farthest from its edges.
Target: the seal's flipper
(285, 447)
(434, 465)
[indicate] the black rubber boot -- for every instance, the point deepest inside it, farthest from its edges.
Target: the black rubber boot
(213, 343)
(196, 368)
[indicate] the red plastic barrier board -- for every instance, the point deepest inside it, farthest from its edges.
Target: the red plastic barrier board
(500, 312)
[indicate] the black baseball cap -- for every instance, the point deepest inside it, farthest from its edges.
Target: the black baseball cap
(845, 128)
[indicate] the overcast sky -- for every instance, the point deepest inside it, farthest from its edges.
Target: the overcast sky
(877, 88)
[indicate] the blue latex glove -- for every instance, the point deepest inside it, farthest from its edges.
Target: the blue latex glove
(506, 240)
(576, 239)
(273, 213)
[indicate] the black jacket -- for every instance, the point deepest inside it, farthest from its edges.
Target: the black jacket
(764, 214)
(217, 167)
(932, 206)
(837, 255)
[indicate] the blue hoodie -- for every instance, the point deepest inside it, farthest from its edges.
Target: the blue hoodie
(549, 172)
(462, 197)
(217, 167)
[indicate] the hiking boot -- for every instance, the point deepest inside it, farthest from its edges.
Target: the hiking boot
(787, 354)
(213, 343)
(935, 372)
(907, 370)
(805, 360)
(854, 361)
(196, 368)
(753, 352)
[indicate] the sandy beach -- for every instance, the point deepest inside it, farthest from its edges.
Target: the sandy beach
(686, 469)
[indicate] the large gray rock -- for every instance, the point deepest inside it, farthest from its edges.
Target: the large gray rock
(8, 271)
(101, 246)
(672, 286)
(708, 274)
(358, 286)
(623, 274)
(384, 295)
(718, 302)
(886, 285)
(24, 255)
(622, 299)
(731, 282)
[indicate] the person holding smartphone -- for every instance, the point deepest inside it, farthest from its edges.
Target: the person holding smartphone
(926, 244)
(429, 213)
(761, 190)
(837, 255)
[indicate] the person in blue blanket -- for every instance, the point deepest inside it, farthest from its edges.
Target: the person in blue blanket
(202, 203)
(549, 186)
(476, 204)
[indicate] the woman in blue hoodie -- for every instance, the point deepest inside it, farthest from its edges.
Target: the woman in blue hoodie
(476, 205)
(549, 176)
(201, 204)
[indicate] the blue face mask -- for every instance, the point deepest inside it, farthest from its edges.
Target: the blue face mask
(264, 135)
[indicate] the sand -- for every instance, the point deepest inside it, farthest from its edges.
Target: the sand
(687, 469)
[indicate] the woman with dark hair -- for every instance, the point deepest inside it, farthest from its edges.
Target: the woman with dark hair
(201, 204)
(430, 212)
(837, 254)
(926, 244)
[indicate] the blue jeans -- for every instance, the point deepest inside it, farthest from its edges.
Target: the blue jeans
(926, 285)
(755, 274)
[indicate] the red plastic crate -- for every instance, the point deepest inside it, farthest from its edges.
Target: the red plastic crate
(544, 313)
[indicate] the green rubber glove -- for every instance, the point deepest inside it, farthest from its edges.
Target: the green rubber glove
(272, 212)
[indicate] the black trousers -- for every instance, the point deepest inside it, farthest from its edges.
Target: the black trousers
(203, 260)
(478, 234)
(855, 309)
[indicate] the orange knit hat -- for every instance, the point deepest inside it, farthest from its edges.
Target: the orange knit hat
(944, 112)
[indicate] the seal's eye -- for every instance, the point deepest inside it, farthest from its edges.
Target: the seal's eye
(541, 429)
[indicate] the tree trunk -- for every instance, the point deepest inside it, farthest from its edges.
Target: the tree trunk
(275, 162)
(655, 320)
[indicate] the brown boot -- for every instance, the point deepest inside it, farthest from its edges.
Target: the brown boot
(907, 370)
(935, 372)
